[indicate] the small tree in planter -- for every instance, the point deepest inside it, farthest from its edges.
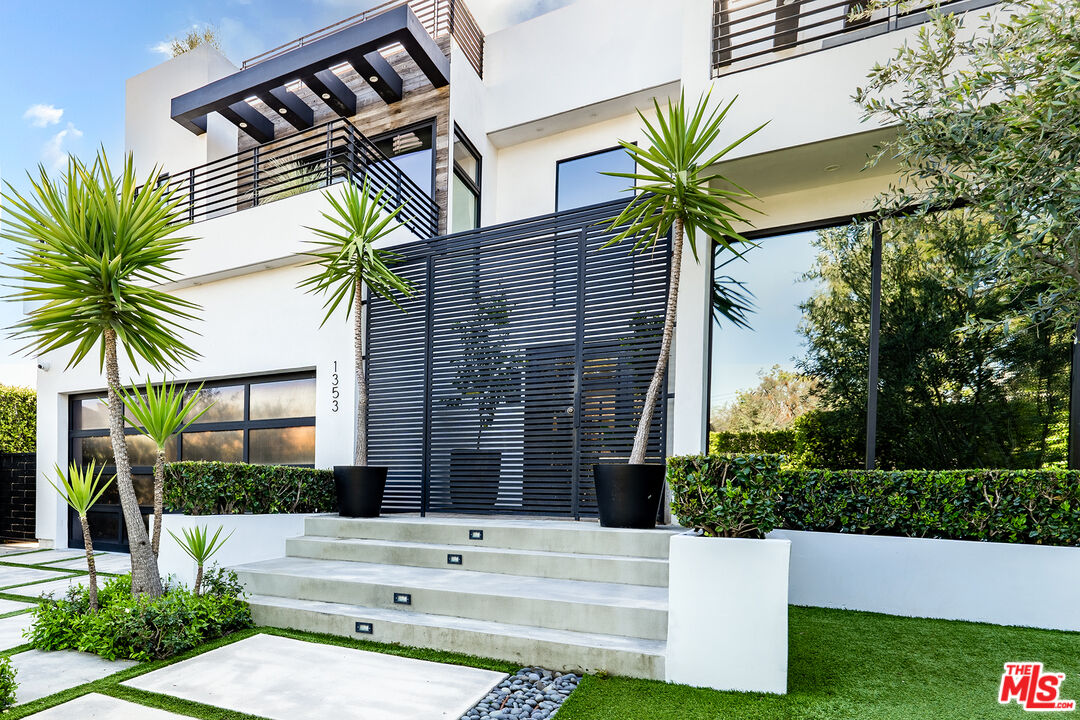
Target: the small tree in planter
(200, 547)
(90, 249)
(81, 488)
(348, 264)
(675, 191)
(159, 414)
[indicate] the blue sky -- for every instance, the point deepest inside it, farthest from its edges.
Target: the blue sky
(65, 63)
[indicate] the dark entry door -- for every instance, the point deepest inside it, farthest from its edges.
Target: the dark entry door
(522, 360)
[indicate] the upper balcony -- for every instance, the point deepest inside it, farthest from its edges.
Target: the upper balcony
(751, 33)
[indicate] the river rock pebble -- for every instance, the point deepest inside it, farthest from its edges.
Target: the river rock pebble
(529, 694)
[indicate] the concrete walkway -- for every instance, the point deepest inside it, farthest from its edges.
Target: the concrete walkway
(287, 679)
(45, 673)
(102, 707)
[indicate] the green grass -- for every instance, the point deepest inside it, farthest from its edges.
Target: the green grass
(843, 666)
(851, 665)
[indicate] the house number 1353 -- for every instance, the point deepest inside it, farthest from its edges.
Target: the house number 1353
(335, 392)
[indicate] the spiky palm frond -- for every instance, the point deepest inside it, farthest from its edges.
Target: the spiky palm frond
(198, 543)
(674, 179)
(161, 412)
(90, 247)
(80, 487)
(346, 252)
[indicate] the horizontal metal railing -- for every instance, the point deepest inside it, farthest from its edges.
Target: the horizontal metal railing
(749, 33)
(316, 158)
(438, 17)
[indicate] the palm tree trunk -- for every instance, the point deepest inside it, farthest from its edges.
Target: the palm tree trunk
(145, 578)
(90, 564)
(159, 502)
(641, 438)
(198, 579)
(360, 454)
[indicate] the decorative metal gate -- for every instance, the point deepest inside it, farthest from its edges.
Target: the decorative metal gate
(521, 360)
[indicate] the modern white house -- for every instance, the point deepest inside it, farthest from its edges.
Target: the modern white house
(494, 143)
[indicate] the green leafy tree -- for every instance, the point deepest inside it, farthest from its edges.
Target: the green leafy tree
(193, 38)
(200, 546)
(160, 413)
(81, 488)
(988, 116)
(347, 263)
(90, 249)
(780, 397)
(677, 190)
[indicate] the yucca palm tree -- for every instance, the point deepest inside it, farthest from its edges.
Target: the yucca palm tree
(90, 248)
(200, 547)
(347, 263)
(81, 488)
(676, 189)
(159, 414)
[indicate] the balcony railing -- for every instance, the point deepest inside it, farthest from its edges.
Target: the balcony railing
(438, 17)
(749, 33)
(316, 158)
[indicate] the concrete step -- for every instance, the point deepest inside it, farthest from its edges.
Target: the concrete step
(524, 644)
(533, 563)
(565, 536)
(607, 608)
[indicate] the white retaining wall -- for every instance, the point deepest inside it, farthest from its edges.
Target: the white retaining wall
(1001, 583)
(255, 537)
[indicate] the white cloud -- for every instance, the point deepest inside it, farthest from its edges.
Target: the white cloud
(54, 154)
(494, 15)
(164, 48)
(43, 115)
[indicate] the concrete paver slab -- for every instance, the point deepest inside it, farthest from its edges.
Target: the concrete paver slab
(288, 679)
(44, 556)
(103, 707)
(20, 575)
(56, 588)
(7, 606)
(115, 563)
(11, 630)
(44, 673)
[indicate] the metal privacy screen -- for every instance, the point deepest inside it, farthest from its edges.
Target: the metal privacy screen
(521, 360)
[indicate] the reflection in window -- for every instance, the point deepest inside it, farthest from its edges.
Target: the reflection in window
(579, 181)
(222, 445)
(90, 414)
(282, 446)
(143, 451)
(285, 399)
(222, 404)
(411, 150)
(466, 184)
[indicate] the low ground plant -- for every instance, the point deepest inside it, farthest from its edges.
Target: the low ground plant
(141, 628)
(8, 686)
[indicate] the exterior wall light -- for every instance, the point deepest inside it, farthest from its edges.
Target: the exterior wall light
(373, 78)
(243, 124)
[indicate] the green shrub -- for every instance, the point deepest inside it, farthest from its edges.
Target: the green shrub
(772, 442)
(829, 439)
(8, 686)
(141, 628)
(218, 488)
(752, 494)
(726, 495)
(18, 420)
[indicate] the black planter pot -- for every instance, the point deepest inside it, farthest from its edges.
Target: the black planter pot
(474, 478)
(359, 489)
(628, 496)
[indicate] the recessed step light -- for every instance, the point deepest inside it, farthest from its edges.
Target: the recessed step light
(452, 559)
(402, 599)
(365, 628)
(476, 534)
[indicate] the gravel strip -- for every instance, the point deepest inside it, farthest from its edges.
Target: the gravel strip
(530, 694)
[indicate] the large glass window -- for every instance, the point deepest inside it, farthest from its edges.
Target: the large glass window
(466, 184)
(579, 182)
(956, 385)
(265, 420)
(413, 150)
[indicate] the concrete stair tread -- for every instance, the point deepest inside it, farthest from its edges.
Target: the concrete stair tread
(376, 542)
(619, 595)
(506, 521)
(618, 643)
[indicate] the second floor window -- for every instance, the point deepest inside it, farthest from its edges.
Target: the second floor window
(579, 181)
(466, 182)
(412, 150)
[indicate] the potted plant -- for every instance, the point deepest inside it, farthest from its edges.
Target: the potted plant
(349, 267)
(91, 251)
(675, 191)
(486, 377)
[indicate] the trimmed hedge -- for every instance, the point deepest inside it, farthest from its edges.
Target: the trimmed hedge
(1013, 506)
(219, 488)
(753, 442)
(18, 420)
(726, 495)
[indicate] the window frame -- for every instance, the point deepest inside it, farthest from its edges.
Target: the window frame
(429, 123)
(582, 156)
(459, 172)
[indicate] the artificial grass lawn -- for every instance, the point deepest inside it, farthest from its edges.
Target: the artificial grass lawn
(843, 665)
(851, 665)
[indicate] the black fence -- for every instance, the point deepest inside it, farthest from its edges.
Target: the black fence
(18, 496)
(300, 163)
(521, 360)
